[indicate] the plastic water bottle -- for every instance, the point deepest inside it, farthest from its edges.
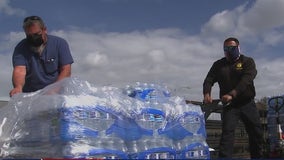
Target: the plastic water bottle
(187, 124)
(129, 91)
(195, 150)
(159, 147)
(147, 92)
(76, 123)
(193, 123)
(104, 148)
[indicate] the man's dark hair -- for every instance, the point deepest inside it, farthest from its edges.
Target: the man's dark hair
(232, 39)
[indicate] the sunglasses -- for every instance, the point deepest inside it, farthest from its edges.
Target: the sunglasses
(230, 48)
(32, 18)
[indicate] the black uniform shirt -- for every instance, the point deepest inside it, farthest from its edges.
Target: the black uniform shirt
(234, 78)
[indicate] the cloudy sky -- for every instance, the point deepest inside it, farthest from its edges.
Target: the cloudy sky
(175, 42)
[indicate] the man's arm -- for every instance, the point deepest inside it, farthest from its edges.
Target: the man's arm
(208, 83)
(207, 98)
(18, 79)
(65, 71)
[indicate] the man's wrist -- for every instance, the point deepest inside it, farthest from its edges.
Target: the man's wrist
(233, 93)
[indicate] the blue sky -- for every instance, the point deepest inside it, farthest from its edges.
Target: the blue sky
(119, 15)
(175, 42)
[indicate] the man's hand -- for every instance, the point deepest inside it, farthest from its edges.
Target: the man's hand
(15, 91)
(226, 99)
(207, 99)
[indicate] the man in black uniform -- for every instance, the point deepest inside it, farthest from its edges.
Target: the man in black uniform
(235, 74)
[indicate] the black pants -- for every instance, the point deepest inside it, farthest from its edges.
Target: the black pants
(249, 115)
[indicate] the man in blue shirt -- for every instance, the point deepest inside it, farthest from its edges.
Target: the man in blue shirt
(39, 59)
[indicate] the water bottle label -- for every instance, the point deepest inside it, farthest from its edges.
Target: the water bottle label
(196, 151)
(151, 119)
(158, 153)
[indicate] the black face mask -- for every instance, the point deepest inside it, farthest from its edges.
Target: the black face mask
(232, 52)
(35, 40)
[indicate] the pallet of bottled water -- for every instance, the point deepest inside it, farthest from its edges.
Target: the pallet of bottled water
(75, 119)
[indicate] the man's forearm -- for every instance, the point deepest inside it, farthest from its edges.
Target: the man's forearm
(18, 82)
(64, 72)
(18, 77)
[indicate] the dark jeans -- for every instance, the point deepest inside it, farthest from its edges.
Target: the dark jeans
(249, 115)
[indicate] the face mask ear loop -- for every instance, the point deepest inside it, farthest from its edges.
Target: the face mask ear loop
(239, 48)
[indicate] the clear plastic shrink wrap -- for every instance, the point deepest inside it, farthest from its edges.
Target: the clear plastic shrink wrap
(75, 119)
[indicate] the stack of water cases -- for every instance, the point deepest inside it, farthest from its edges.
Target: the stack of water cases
(139, 121)
(177, 130)
(275, 123)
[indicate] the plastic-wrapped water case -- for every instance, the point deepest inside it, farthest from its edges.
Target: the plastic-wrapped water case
(78, 122)
(154, 146)
(188, 124)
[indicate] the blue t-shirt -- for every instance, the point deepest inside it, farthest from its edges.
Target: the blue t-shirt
(42, 70)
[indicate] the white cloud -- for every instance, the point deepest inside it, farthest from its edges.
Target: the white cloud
(157, 56)
(273, 38)
(8, 10)
(9, 41)
(269, 81)
(222, 22)
(6, 74)
(264, 15)
(96, 59)
(247, 21)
